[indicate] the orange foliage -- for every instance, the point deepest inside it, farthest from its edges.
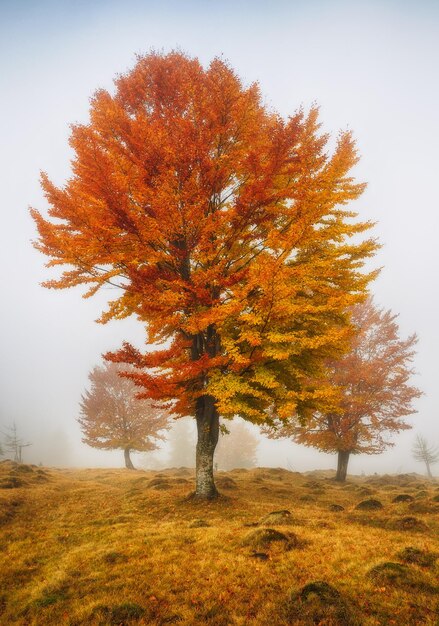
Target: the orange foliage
(374, 384)
(112, 417)
(225, 228)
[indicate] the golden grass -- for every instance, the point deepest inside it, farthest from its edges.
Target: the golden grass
(120, 547)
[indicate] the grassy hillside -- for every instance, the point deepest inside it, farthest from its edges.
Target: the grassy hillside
(120, 547)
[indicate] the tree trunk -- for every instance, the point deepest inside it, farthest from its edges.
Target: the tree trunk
(342, 465)
(430, 475)
(208, 432)
(128, 462)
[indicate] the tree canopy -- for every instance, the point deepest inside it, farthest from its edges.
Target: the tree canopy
(226, 229)
(373, 380)
(113, 418)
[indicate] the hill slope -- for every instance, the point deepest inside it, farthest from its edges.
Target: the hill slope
(120, 547)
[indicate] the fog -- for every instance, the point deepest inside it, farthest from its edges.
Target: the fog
(371, 66)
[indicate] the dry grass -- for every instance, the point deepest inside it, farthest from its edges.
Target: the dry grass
(119, 547)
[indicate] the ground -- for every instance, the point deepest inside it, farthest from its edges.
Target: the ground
(128, 547)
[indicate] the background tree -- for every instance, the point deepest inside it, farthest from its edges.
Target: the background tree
(113, 418)
(426, 453)
(224, 227)
(14, 444)
(236, 448)
(375, 394)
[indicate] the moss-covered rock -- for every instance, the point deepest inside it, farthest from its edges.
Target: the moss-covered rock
(11, 482)
(369, 505)
(337, 508)
(264, 538)
(319, 603)
(409, 523)
(225, 482)
(403, 497)
(423, 558)
(400, 576)
(277, 518)
(159, 484)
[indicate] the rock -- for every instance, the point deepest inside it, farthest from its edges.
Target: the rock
(158, 483)
(409, 524)
(277, 518)
(319, 603)
(336, 507)
(265, 537)
(369, 505)
(403, 497)
(422, 506)
(422, 494)
(11, 482)
(183, 471)
(24, 469)
(400, 576)
(225, 482)
(390, 573)
(418, 557)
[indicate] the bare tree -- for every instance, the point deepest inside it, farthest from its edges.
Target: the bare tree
(14, 444)
(426, 453)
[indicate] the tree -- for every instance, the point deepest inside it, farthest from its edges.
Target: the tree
(223, 226)
(14, 444)
(113, 418)
(426, 453)
(375, 394)
(236, 447)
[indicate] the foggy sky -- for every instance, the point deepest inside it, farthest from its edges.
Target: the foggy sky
(371, 66)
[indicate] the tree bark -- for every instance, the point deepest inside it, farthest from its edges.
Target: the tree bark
(208, 432)
(128, 462)
(342, 465)
(207, 418)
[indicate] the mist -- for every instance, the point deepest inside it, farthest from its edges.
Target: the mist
(371, 66)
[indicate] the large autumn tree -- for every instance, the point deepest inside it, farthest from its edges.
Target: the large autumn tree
(373, 379)
(112, 417)
(225, 228)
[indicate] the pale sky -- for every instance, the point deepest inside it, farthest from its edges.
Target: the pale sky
(371, 66)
